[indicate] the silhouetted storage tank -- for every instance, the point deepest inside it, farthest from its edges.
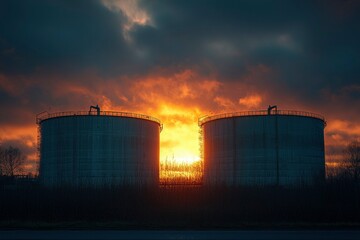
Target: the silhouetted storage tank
(101, 148)
(270, 147)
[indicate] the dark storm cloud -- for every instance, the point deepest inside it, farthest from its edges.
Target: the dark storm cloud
(236, 32)
(311, 47)
(59, 35)
(306, 42)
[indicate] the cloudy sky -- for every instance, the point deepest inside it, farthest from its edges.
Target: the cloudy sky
(177, 61)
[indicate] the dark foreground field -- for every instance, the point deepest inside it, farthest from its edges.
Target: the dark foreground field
(326, 206)
(195, 235)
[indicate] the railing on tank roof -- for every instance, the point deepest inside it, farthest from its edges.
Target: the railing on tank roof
(205, 119)
(45, 115)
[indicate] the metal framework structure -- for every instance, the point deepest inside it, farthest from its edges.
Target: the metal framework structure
(45, 115)
(206, 119)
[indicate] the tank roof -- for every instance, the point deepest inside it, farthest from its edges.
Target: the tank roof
(45, 115)
(205, 119)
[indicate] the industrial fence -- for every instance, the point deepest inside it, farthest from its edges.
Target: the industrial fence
(45, 115)
(206, 118)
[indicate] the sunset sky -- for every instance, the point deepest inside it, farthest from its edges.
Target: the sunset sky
(177, 61)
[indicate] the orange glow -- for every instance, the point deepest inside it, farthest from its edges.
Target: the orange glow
(251, 101)
(179, 144)
(26, 133)
(175, 100)
(179, 137)
(344, 126)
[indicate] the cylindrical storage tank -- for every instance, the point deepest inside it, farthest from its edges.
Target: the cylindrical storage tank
(278, 148)
(105, 148)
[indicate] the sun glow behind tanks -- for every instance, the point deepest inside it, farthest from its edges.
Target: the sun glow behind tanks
(179, 145)
(184, 166)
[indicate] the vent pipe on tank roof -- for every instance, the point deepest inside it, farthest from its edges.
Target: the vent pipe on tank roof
(97, 109)
(271, 108)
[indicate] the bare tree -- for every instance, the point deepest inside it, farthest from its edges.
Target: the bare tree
(352, 160)
(12, 161)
